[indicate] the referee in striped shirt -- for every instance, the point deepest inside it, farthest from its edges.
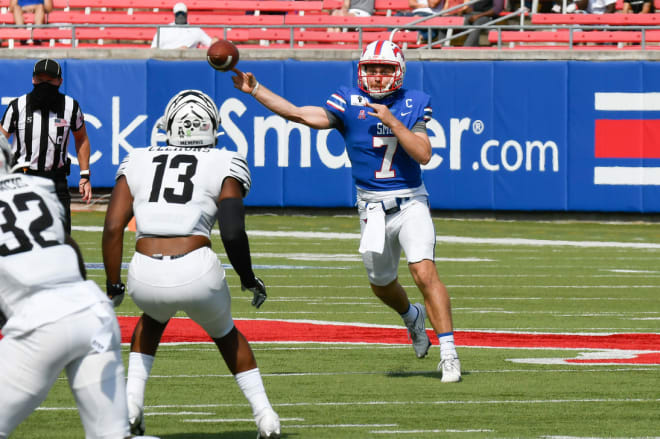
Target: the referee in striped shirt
(40, 122)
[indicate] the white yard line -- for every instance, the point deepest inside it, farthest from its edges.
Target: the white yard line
(150, 408)
(439, 238)
(445, 430)
(225, 420)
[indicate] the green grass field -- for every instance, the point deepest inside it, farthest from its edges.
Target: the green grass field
(542, 277)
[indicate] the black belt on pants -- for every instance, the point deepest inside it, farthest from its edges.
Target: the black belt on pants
(161, 257)
(393, 205)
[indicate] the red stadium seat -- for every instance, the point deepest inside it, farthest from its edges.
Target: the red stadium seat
(598, 19)
(564, 36)
(389, 22)
(214, 19)
(332, 4)
(109, 17)
(17, 34)
(208, 5)
(267, 37)
(390, 7)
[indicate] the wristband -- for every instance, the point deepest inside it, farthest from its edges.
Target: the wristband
(85, 174)
(254, 90)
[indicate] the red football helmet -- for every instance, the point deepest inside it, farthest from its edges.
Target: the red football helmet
(381, 52)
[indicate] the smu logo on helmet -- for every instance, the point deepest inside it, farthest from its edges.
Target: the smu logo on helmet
(397, 51)
(628, 138)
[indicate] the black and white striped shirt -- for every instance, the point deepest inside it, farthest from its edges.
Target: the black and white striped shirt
(40, 141)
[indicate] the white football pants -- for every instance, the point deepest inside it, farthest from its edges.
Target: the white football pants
(194, 283)
(410, 229)
(30, 364)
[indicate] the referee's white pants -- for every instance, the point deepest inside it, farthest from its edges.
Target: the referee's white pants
(194, 283)
(30, 364)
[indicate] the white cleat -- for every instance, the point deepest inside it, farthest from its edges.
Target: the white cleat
(135, 418)
(451, 370)
(417, 332)
(268, 424)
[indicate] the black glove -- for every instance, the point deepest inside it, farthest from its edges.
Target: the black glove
(259, 291)
(115, 292)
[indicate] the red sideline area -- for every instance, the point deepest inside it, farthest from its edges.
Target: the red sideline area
(185, 330)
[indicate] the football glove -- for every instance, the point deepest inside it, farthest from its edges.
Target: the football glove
(259, 291)
(115, 292)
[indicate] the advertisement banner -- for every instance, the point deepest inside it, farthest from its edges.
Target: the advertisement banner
(506, 135)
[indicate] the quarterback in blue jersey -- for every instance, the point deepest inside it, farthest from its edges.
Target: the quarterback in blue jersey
(384, 127)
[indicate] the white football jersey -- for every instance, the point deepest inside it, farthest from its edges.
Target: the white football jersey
(34, 261)
(175, 189)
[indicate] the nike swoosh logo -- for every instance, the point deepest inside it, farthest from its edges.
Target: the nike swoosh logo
(405, 114)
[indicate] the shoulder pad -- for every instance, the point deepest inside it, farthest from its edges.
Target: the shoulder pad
(123, 167)
(238, 168)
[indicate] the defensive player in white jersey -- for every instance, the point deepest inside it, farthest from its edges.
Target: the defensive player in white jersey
(53, 318)
(176, 193)
(384, 127)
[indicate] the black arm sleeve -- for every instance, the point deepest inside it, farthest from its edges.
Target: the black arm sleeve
(231, 219)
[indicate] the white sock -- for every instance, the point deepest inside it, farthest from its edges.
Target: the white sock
(139, 368)
(252, 387)
(410, 316)
(447, 346)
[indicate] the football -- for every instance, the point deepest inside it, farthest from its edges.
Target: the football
(222, 55)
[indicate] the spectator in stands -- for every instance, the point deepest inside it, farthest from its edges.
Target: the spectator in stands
(355, 8)
(594, 6)
(179, 37)
(478, 14)
(449, 4)
(37, 7)
(638, 6)
(425, 8)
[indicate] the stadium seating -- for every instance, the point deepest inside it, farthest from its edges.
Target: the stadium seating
(257, 6)
(563, 36)
(380, 21)
(390, 7)
(305, 24)
(310, 39)
(597, 19)
(604, 31)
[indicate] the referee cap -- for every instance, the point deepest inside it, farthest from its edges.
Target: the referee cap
(49, 67)
(180, 8)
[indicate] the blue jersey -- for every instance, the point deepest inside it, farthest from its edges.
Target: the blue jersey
(378, 162)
